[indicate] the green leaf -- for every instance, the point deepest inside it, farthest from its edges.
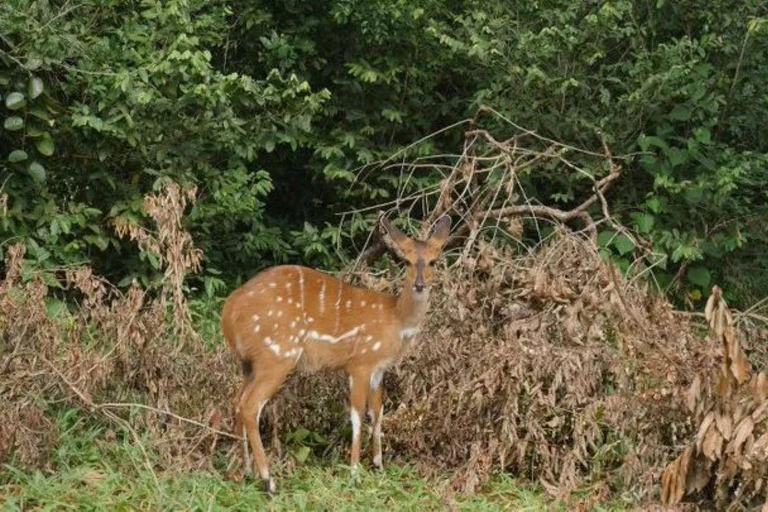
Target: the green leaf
(301, 453)
(699, 276)
(643, 221)
(653, 204)
(45, 144)
(49, 279)
(37, 172)
(35, 87)
(624, 244)
(56, 308)
(15, 101)
(680, 113)
(13, 123)
(39, 113)
(17, 155)
(604, 238)
(677, 156)
(703, 135)
(647, 142)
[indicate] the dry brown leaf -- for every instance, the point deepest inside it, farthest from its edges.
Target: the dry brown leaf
(724, 424)
(760, 388)
(694, 394)
(704, 429)
(740, 434)
(712, 446)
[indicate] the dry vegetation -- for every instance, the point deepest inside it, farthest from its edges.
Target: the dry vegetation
(729, 456)
(548, 364)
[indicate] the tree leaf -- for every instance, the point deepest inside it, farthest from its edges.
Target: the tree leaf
(643, 221)
(15, 101)
(699, 276)
(17, 155)
(624, 244)
(677, 156)
(703, 135)
(37, 172)
(45, 144)
(36, 87)
(680, 113)
(13, 123)
(605, 237)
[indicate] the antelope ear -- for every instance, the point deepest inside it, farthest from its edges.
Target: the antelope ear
(393, 238)
(441, 231)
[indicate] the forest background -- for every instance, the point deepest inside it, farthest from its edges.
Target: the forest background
(279, 111)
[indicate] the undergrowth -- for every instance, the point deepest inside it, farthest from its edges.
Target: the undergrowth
(96, 468)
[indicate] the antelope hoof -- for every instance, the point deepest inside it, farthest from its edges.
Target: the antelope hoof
(269, 486)
(378, 465)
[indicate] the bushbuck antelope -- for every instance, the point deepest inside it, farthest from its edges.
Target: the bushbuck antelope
(290, 316)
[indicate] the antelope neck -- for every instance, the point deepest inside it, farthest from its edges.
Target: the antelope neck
(411, 307)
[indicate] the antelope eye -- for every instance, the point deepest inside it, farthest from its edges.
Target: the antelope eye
(432, 263)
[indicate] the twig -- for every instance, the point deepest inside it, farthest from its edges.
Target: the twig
(115, 405)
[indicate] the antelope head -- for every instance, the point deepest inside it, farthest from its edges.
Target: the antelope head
(419, 255)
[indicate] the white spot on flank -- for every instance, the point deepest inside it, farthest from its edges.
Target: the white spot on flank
(322, 298)
(349, 304)
(336, 308)
(280, 313)
(362, 303)
(279, 299)
(293, 324)
(310, 319)
(267, 341)
(275, 348)
(331, 339)
(256, 328)
(294, 352)
(272, 285)
(269, 313)
(364, 351)
(250, 293)
(376, 346)
(275, 327)
(290, 300)
(301, 332)
(255, 318)
(368, 338)
(301, 287)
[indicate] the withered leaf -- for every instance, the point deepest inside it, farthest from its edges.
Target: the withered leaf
(703, 429)
(724, 424)
(694, 393)
(712, 446)
(743, 429)
(760, 387)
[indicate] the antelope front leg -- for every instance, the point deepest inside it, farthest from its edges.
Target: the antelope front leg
(358, 397)
(376, 406)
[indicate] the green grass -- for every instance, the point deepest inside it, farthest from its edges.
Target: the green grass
(94, 474)
(308, 488)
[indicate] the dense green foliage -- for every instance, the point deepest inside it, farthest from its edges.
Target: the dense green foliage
(270, 107)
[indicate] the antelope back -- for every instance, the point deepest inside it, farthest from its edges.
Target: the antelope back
(292, 313)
